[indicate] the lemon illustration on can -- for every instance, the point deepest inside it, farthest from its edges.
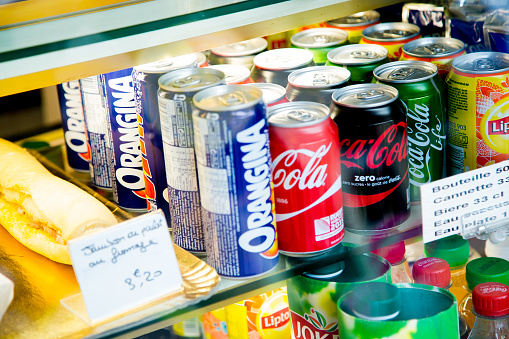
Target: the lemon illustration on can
(495, 125)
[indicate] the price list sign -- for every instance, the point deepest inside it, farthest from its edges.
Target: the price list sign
(474, 199)
(125, 266)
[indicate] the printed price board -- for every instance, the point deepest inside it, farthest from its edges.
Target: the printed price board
(125, 266)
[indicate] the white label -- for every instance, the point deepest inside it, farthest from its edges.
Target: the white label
(165, 112)
(481, 195)
(125, 266)
(329, 226)
(214, 193)
(180, 167)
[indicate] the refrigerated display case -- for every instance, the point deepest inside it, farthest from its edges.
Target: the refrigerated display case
(42, 51)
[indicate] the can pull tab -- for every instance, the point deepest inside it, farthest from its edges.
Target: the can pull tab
(301, 116)
(370, 95)
(364, 55)
(239, 46)
(320, 79)
(434, 49)
(186, 82)
(394, 33)
(320, 39)
(356, 19)
(484, 65)
(232, 99)
(401, 73)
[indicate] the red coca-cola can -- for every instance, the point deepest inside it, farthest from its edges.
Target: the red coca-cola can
(374, 157)
(306, 176)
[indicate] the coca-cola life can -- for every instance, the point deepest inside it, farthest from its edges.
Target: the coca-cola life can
(304, 146)
(374, 156)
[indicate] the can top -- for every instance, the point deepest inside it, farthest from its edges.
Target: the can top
(297, 114)
(243, 48)
(168, 64)
(319, 37)
(227, 98)
(434, 47)
(482, 62)
(319, 77)
(391, 31)
(357, 54)
(200, 58)
(283, 58)
(233, 73)
(405, 71)
(357, 19)
(365, 95)
(190, 79)
(271, 92)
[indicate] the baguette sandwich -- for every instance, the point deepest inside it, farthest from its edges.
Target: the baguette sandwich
(42, 211)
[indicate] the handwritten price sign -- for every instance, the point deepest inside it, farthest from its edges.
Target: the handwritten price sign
(125, 266)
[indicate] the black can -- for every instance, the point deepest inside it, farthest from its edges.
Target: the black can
(374, 157)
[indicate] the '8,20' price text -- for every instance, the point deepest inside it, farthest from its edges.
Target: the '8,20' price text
(139, 278)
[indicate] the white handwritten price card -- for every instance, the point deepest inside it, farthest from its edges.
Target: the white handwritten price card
(125, 266)
(475, 198)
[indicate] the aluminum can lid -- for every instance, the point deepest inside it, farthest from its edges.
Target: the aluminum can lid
(233, 73)
(200, 58)
(297, 114)
(168, 64)
(357, 54)
(319, 77)
(243, 48)
(190, 79)
(319, 37)
(271, 92)
(391, 31)
(482, 63)
(405, 71)
(357, 19)
(435, 47)
(227, 98)
(365, 95)
(283, 58)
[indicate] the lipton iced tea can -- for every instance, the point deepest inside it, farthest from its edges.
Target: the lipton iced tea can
(264, 316)
(306, 178)
(478, 109)
(312, 296)
(391, 35)
(354, 24)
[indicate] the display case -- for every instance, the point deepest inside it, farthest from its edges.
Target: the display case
(44, 50)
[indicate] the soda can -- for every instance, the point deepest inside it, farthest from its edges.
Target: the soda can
(316, 83)
(478, 102)
(233, 157)
(319, 41)
(374, 157)
(360, 60)
(145, 82)
(176, 91)
(96, 122)
(239, 53)
(278, 40)
(272, 94)
(187, 329)
(234, 74)
(422, 92)
(391, 35)
(73, 124)
(304, 147)
(275, 65)
(439, 51)
(125, 162)
(312, 296)
(214, 324)
(354, 24)
(201, 59)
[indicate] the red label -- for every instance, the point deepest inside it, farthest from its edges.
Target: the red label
(498, 127)
(277, 319)
(304, 329)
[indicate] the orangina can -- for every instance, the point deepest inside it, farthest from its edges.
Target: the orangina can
(391, 35)
(354, 24)
(478, 110)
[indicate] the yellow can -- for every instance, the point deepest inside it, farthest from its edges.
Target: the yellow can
(214, 324)
(391, 35)
(354, 24)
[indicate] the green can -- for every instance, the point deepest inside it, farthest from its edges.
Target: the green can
(423, 93)
(359, 59)
(397, 311)
(319, 41)
(313, 296)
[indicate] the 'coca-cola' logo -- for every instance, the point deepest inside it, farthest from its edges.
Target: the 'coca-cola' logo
(383, 151)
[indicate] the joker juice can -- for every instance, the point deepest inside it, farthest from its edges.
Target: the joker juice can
(478, 102)
(233, 157)
(422, 92)
(145, 81)
(304, 147)
(374, 157)
(176, 92)
(73, 124)
(126, 168)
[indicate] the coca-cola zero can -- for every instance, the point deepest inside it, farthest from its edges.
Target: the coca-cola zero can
(304, 146)
(374, 156)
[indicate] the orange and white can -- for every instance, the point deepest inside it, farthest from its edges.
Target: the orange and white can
(478, 109)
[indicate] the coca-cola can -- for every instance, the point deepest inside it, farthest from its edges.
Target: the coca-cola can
(374, 157)
(304, 147)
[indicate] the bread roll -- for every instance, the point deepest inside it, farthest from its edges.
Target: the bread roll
(42, 211)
